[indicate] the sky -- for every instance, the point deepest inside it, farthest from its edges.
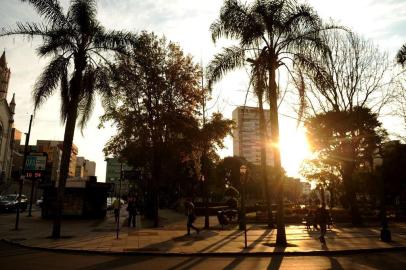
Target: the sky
(187, 23)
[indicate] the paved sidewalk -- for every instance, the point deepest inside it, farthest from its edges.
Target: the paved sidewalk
(100, 236)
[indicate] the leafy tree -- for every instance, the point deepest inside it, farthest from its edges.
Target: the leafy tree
(285, 31)
(393, 169)
(77, 43)
(345, 142)
(325, 174)
(155, 107)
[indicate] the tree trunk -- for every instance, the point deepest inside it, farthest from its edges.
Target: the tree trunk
(156, 175)
(349, 185)
(264, 173)
(356, 219)
(273, 102)
(64, 167)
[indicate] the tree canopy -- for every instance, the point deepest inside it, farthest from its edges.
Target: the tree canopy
(155, 107)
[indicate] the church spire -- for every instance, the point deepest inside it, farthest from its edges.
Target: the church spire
(3, 62)
(4, 76)
(13, 104)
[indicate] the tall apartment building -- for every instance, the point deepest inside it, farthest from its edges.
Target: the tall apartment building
(85, 167)
(54, 151)
(113, 170)
(246, 136)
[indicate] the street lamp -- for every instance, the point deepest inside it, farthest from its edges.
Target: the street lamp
(243, 224)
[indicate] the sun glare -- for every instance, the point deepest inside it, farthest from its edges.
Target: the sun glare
(294, 149)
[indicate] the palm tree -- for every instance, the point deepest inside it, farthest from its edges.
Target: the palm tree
(401, 56)
(233, 58)
(77, 44)
(287, 31)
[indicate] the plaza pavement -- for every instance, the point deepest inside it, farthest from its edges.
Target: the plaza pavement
(100, 236)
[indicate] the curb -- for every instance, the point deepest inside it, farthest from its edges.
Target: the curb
(212, 254)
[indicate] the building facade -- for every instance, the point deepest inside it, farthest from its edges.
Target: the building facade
(85, 167)
(7, 111)
(54, 152)
(246, 135)
(113, 171)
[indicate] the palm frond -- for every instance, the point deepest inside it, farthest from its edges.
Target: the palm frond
(51, 10)
(49, 79)
(230, 58)
(302, 16)
(26, 29)
(82, 14)
(234, 18)
(86, 103)
(58, 41)
(65, 95)
(117, 41)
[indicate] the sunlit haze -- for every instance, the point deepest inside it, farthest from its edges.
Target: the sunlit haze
(187, 23)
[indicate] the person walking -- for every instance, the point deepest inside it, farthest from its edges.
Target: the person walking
(132, 211)
(322, 220)
(191, 216)
(309, 219)
(116, 209)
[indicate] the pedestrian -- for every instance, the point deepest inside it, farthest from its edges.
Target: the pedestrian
(191, 216)
(322, 220)
(132, 211)
(116, 208)
(330, 220)
(309, 219)
(315, 215)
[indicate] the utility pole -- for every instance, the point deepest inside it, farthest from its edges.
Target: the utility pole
(20, 190)
(119, 201)
(204, 161)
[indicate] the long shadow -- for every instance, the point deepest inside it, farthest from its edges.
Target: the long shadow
(335, 265)
(190, 263)
(276, 261)
(117, 262)
(238, 260)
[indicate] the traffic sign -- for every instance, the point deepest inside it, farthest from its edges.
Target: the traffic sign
(36, 162)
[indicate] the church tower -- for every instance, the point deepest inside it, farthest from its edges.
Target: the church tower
(4, 76)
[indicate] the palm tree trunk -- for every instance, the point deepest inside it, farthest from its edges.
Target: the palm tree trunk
(64, 167)
(273, 102)
(264, 173)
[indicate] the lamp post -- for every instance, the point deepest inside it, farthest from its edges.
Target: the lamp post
(243, 223)
(119, 201)
(27, 140)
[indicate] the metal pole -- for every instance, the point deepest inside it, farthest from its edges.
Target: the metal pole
(20, 190)
(119, 202)
(386, 235)
(31, 197)
(244, 217)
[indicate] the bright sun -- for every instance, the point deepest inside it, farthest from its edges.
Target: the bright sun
(294, 149)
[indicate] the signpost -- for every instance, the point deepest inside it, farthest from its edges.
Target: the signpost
(34, 169)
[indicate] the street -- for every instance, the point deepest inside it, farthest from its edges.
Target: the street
(13, 257)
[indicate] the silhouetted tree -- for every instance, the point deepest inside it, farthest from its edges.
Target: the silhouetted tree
(354, 74)
(284, 30)
(345, 142)
(76, 43)
(401, 55)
